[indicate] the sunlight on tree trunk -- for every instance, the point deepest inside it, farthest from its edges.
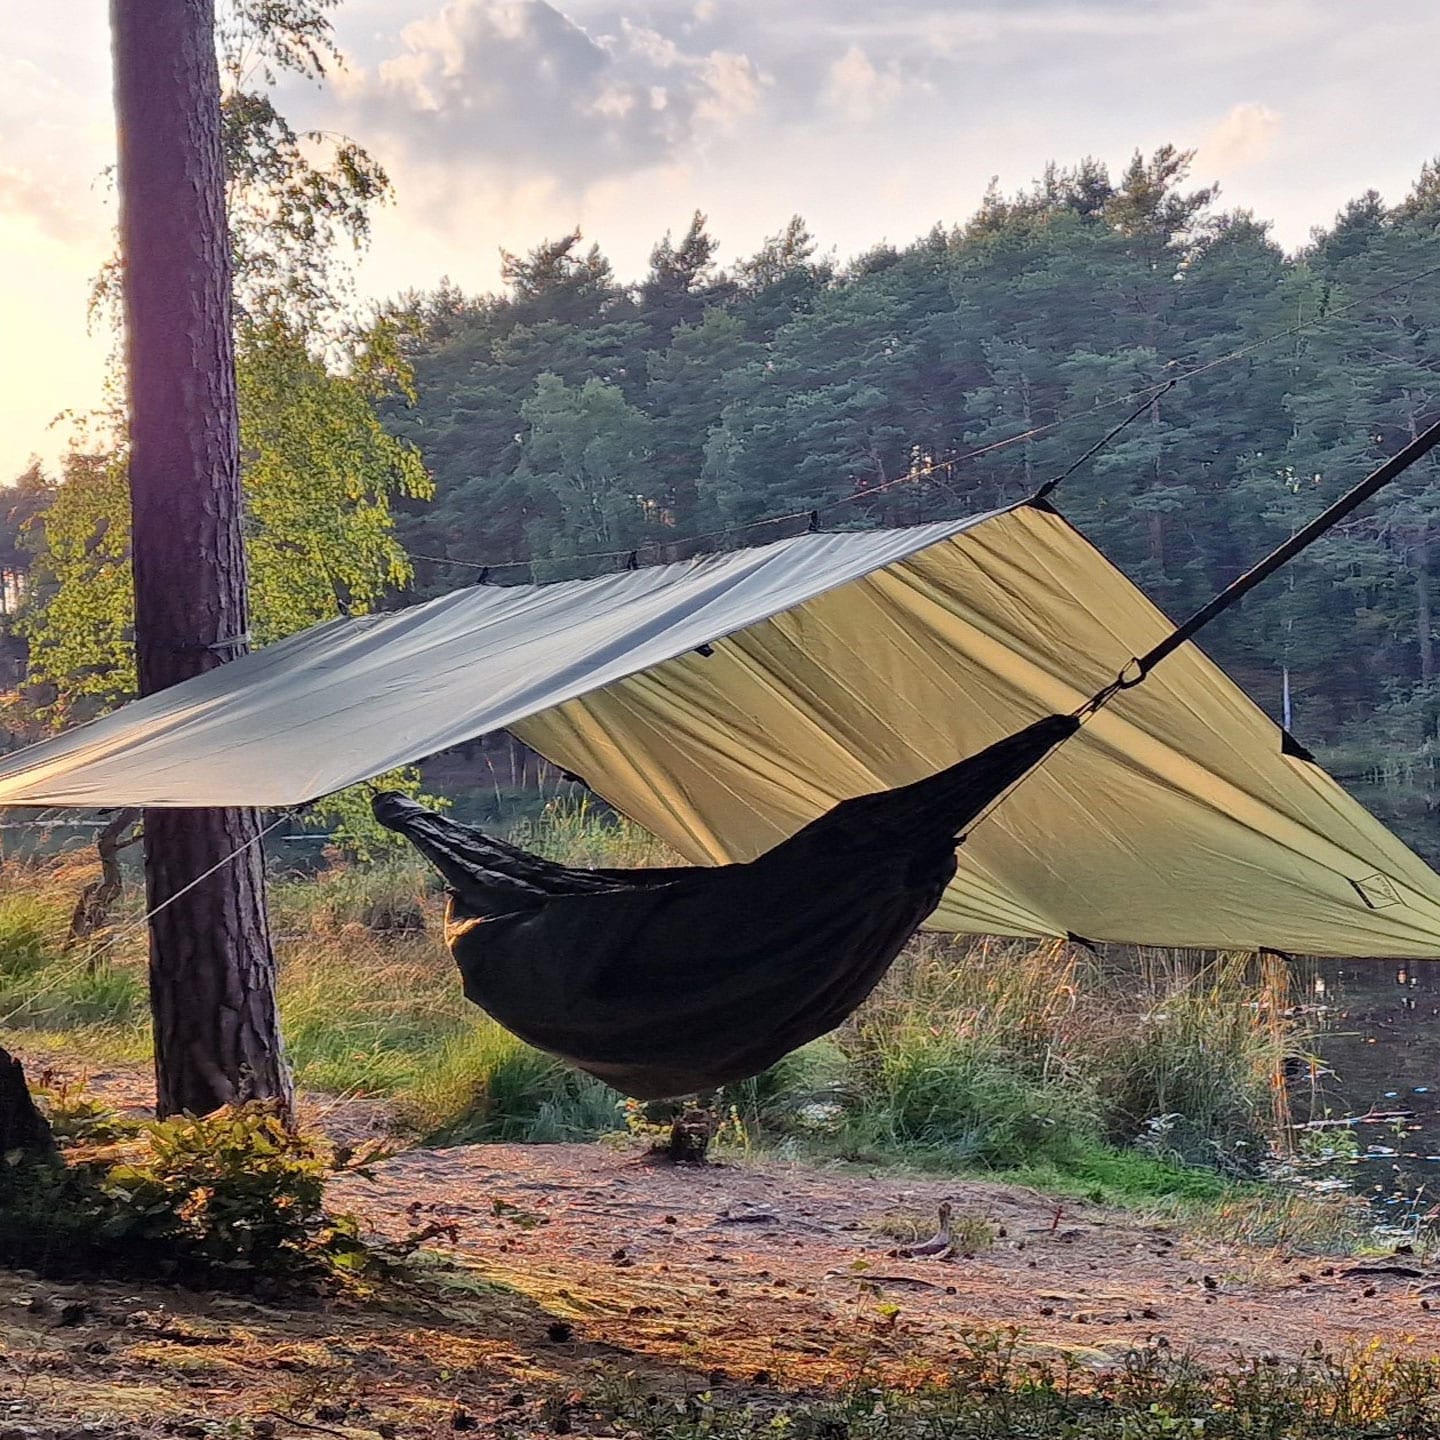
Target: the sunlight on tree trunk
(212, 974)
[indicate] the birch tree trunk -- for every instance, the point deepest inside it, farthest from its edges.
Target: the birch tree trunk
(212, 974)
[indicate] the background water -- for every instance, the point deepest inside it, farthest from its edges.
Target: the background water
(1378, 1047)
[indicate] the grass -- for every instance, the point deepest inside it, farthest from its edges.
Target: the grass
(1150, 1079)
(1128, 1075)
(999, 1387)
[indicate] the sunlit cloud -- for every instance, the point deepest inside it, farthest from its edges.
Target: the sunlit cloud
(42, 203)
(1244, 137)
(859, 89)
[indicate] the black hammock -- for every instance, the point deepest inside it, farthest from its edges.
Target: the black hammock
(663, 982)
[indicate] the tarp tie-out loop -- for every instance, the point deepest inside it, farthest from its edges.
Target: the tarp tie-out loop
(1148, 403)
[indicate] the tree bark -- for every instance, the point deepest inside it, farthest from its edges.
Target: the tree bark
(23, 1128)
(212, 974)
(1424, 624)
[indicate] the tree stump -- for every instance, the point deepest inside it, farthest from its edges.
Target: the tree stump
(22, 1127)
(690, 1136)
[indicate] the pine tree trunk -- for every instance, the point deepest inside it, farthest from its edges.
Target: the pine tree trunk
(1424, 628)
(1157, 519)
(1027, 415)
(212, 974)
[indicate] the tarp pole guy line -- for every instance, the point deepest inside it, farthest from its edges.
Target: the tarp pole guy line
(1375, 481)
(1049, 486)
(1140, 667)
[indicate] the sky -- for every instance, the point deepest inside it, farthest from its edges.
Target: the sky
(503, 122)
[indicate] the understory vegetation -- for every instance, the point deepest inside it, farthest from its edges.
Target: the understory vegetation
(234, 1199)
(1131, 1074)
(998, 1387)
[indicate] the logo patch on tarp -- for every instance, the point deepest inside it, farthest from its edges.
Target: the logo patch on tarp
(1378, 891)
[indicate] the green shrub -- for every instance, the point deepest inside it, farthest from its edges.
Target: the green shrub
(231, 1198)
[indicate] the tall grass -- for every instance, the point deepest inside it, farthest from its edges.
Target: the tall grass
(1006, 1054)
(582, 831)
(1116, 1072)
(92, 990)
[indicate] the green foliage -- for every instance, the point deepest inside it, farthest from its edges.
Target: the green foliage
(47, 985)
(236, 1190)
(589, 447)
(355, 833)
(230, 1198)
(319, 473)
(78, 621)
(320, 470)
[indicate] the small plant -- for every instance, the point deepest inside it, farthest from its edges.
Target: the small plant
(236, 1191)
(234, 1197)
(684, 1130)
(77, 1118)
(1328, 1144)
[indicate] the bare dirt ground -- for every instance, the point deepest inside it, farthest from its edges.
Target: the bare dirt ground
(743, 1276)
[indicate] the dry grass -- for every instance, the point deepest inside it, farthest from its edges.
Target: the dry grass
(988, 1053)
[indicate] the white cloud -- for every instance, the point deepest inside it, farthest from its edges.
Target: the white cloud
(43, 204)
(732, 89)
(520, 89)
(1244, 137)
(860, 90)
